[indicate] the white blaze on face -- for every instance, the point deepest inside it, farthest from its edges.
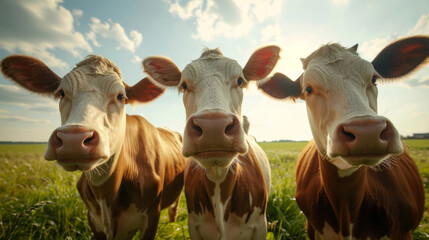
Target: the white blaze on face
(212, 97)
(91, 101)
(212, 86)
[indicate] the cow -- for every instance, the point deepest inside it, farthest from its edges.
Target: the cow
(354, 180)
(228, 178)
(130, 169)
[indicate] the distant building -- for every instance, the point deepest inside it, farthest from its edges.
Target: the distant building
(420, 136)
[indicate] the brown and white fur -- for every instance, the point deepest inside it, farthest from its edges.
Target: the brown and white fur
(131, 170)
(227, 181)
(354, 181)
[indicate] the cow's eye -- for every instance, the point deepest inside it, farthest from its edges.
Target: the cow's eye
(120, 97)
(309, 90)
(184, 86)
(61, 92)
(240, 81)
(374, 79)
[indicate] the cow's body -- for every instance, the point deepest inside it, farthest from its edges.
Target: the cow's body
(354, 181)
(379, 202)
(131, 170)
(229, 208)
(227, 180)
(147, 178)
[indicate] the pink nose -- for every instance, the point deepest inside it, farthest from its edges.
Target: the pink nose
(213, 132)
(72, 142)
(370, 136)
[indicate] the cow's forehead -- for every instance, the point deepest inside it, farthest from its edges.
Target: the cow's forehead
(342, 70)
(83, 78)
(204, 68)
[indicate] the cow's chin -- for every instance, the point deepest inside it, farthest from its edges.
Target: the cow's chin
(370, 160)
(81, 164)
(219, 159)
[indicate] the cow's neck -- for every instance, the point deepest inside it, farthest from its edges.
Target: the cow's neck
(224, 181)
(99, 175)
(105, 183)
(345, 193)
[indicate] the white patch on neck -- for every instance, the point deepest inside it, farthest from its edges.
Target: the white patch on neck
(102, 172)
(342, 173)
(207, 226)
(343, 168)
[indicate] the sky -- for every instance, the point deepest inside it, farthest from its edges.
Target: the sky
(62, 33)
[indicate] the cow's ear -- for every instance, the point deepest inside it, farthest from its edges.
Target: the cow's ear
(280, 86)
(143, 91)
(163, 71)
(402, 57)
(261, 63)
(30, 73)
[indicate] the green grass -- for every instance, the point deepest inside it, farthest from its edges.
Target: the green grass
(39, 200)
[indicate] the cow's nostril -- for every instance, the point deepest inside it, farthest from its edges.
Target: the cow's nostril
(197, 131)
(91, 139)
(350, 135)
(57, 141)
(88, 140)
(232, 127)
(387, 133)
(228, 128)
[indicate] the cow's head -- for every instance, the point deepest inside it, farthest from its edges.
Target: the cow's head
(212, 94)
(341, 96)
(92, 106)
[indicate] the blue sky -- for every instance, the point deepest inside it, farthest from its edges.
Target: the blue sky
(62, 33)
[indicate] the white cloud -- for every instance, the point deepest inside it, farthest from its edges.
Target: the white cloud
(114, 31)
(422, 26)
(340, 2)
(187, 11)
(229, 18)
(17, 96)
(77, 13)
(25, 120)
(36, 27)
(271, 32)
(370, 49)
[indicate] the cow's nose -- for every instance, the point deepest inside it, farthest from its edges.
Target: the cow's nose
(213, 126)
(72, 141)
(366, 136)
(213, 132)
(80, 139)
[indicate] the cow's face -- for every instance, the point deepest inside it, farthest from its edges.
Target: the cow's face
(92, 106)
(341, 97)
(212, 95)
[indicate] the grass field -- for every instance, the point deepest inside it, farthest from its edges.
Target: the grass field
(39, 200)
